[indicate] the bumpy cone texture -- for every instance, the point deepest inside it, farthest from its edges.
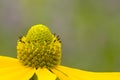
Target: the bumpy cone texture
(39, 48)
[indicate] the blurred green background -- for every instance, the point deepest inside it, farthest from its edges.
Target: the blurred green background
(89, 29)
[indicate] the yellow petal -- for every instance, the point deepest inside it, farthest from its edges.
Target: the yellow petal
(66, 73)
(45, 74)
(12, 69)
(61, 75)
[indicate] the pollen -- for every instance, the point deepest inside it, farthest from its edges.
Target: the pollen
(39, 48)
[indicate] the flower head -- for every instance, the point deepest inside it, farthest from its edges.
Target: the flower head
(39, 48)
(39, 52)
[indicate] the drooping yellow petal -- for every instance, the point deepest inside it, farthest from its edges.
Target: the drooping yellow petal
(12, 69)
(66, 73)
(45, 74)
(61, 75)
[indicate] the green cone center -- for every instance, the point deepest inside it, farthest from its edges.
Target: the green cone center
(39, 48)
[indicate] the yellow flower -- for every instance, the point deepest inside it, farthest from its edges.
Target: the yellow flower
(39, 52)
